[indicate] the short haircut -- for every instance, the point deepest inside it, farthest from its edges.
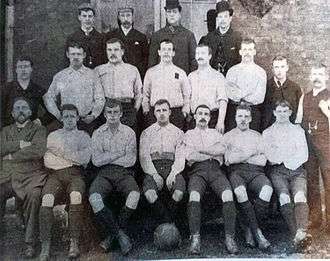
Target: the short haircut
(282, 103)
(167, 41)
(21, 98)
(69, 107)
(244, 106)
(75, 44)
(85, 9)
(318, 65)
(205, 45)
(116, 40)
(161, 102)
(203, 106)
(279, 58)
(111, 103)
(24, 58)
(248, 41)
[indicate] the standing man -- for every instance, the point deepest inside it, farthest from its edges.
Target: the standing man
(224, 41)
(184, 41)
(316, 124)
(121, 81)
(162, 160)
(280, 88)
(246, 160)
(204, 152)
(88, 37)
(23, 145)
(135, 42)
(68, 151)
(166, 81)
(114, 152)
(246, 83)
(79, 86)
(286, 150)
(23, 86)
(208, 86)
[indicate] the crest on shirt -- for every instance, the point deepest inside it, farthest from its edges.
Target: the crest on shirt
(176, 75)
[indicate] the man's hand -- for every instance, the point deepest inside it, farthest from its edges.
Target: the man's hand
(170, 180)
(88, 119)
(325, 107)
(145, 109)
(159, 180)
(220, 127)
(37, 121)
(24, 144)
(8, 157)
(185, 111)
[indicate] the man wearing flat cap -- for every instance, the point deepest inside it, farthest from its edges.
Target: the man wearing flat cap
(135, 42)
(184, 40)
(224, 41)
(88, 37)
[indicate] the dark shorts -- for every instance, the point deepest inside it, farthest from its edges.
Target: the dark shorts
(114, 177)
(208, 173)
(250, 176)
(163, 168)
(288, 181)
(61, 183)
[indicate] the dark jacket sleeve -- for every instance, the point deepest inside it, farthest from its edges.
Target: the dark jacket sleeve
(145, 55)
(192, 50)
(153, 54)
(8, 146)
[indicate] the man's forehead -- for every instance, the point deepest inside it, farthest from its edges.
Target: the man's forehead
(247, 45)
(113, 45)
(202, 48)
(75, 49)
(282, 108)
(21, 103)
(23, 62)
(125, 12)
(203, 110)
(166, 45)
(69, 112)
(86, 12)
(280, 62)
(223, 13)
(242, 112)
(161, 106)
(114, 108)
(318, 70)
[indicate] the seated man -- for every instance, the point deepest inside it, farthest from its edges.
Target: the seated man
(205, 161)
(68, 149)
(162, 160)
(114, 151)
(23, 145)
(286, 150)
(244, 155)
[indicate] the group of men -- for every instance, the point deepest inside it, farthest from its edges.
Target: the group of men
(202, 116)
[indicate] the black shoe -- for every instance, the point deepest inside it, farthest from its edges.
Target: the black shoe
(106, 243)
(231, 244)
(263, 243)
(195, 244)
(249, 240)
(124, 242)
(29, 251)
(302, 240)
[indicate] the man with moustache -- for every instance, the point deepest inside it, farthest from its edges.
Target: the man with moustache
(316, 123)
(88, 37)
(208, 86)
(135, 42)
(23, 145)
(121, 81)
(245, 159)
(286, 150)
(77, 85)
(246, 83)
(23, 86)
(224, 41)
(280, 87)
(114, 153)
(68, 152)
(166, 81)
(204, 152)
(162, 160)
(184, 41)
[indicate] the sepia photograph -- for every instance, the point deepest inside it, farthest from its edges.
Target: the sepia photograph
(164, 130)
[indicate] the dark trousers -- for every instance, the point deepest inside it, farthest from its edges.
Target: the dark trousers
(176, 118)
(30, 205)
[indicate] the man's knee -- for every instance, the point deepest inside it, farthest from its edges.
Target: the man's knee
(177, 195)
(241, 194)
(151, 195)
(194, 196)
(300, 197)
(284, 199)
(132, 199)
(96, 202)
(48, 201)
(75, 198)
(266, 193)
(227, 195)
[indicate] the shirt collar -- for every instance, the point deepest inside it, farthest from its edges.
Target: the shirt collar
(21, 126)
(229, 31)
(172, 28)
(85, 31)
(81, 70)
(106, 127)
(283, 84)
(315, 92)
(126, 31)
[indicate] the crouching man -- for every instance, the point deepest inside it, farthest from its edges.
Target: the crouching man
(23, 145)
(204, 153)
(68, 150)
(114, 152)
(162, 160)
(246, 160)
(286, 150)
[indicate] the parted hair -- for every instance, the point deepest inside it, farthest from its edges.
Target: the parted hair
(116, 40)
(167, 41)
(202, 106)
(24, 58)
(69, 107)
(282, 103)
(111, 103)
(162, 101)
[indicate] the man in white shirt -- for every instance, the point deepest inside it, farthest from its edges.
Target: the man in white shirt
(166, 81)
(208, 86)
(204, 153)
(286, 150)
(246, 160)
(246, 83)
(68, 149)
(162, 160)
